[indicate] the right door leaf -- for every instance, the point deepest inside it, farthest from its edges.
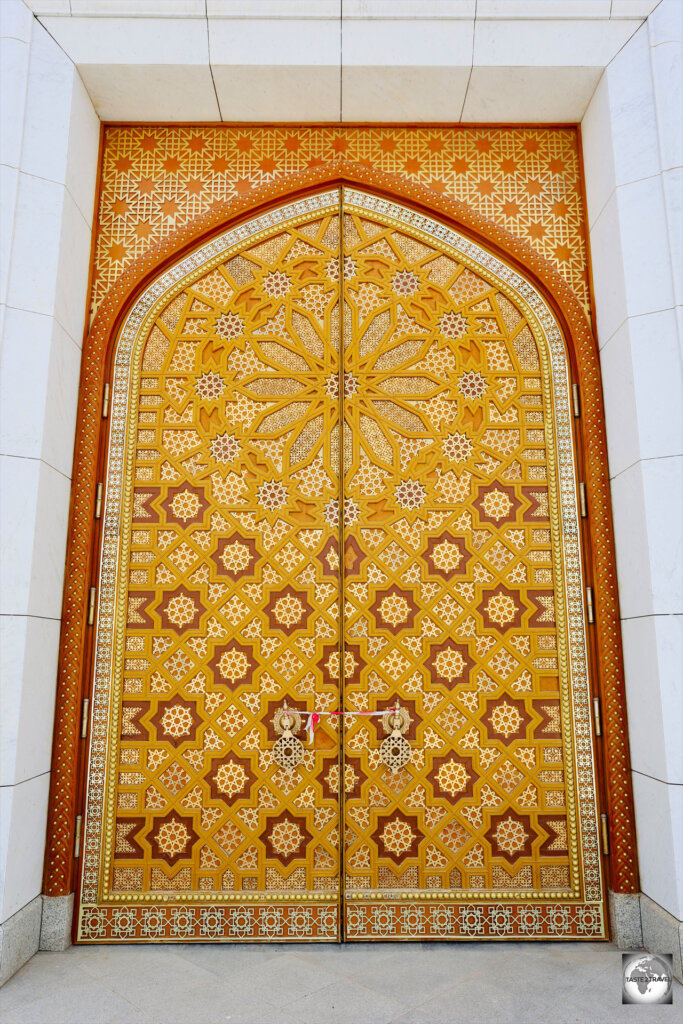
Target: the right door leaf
(458, 550)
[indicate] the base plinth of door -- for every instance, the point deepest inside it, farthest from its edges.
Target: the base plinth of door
(55, 928)
(625, 924)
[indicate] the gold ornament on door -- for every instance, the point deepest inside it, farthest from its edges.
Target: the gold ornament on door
(288, 751)
(395, 750)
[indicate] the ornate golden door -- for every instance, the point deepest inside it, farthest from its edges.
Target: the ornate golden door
(340, 679)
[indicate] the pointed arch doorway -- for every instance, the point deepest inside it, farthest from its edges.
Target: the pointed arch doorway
(340, 669)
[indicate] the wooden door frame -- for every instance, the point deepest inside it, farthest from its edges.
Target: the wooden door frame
(69, 754)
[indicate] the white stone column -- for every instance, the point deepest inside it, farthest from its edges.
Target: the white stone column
(49, 159)
(633, 159)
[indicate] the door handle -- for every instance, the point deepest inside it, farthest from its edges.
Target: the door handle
(288, 751)
(394, 750)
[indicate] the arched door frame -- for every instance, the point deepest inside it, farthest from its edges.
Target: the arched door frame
(69, 750)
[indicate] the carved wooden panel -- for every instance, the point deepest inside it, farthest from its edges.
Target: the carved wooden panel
(458, 596)
(463, 597)
(219, 592)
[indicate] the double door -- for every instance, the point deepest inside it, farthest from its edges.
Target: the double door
(334, 692)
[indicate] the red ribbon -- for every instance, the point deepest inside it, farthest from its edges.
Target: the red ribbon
(314, 717)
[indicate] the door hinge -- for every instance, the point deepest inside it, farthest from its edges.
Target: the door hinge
(582, 500)
(85, 707)
(576, 399)
(604, 832)
(91, 605)
(597, 716)
(77, 836)
(105, 401)
(98, 500)
(590, 610)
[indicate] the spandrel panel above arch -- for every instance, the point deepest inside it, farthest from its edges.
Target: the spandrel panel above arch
(156, 179)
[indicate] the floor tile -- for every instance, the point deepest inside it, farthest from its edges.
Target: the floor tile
(46, 972)
(428, 976)
(305, 983)
(344, 1003)
(87, 1003)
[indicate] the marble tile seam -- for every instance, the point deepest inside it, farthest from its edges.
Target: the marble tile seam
(652, 615)
(624, 185)
(33, 458)
(55, 41)
(67, 188)
(319, 14)
(47, 316)
(654, 778)
(471, 23)
(84, 216)
(27, 615)
(637, 462)
(213, 79)
(636, 316)
(64, 225)
(31, 778)
(16, 39)
(469, 77)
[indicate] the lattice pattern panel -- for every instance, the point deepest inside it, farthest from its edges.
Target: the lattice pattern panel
(155, 179)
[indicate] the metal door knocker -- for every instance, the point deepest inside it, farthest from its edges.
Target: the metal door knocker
(395, 750)
(288, 751)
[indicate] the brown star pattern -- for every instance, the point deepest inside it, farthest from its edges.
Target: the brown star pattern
(230, 778)
(232, 665)
(449, 663)
(397, 836)
(511, 836)
(288, 610)
(447, 556)
(172, 838)
(394, 609)
(176, 721)
(236, 557)
(286, 838)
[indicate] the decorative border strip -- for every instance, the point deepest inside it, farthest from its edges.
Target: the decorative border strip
(474, 921)
(364, 921)
(168, 923)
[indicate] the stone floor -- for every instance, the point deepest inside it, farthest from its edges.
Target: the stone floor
(359, 983)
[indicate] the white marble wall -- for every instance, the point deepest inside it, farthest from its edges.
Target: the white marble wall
(634, 157)
(382, 60)
(48, 157)
(389, 59)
